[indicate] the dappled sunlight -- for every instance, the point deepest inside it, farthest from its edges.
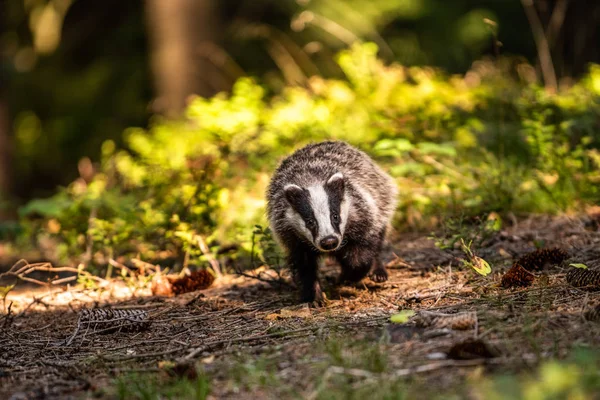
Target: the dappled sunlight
(137, 144)
(221, 329)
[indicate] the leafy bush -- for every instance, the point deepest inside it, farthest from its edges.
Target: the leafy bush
(488, 141)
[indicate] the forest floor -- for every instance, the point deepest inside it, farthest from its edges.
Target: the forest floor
(243, 338)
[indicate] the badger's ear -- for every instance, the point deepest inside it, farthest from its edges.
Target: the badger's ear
(294, 194)
(335, 183)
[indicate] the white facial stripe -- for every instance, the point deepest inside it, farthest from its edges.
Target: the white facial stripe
(319, 201)
(297, 223)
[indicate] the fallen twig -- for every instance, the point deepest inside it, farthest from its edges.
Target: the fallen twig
(214, 263)
(22, 268)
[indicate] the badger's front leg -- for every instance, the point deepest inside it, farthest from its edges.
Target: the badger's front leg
(304, 263)
(378, 271)
(358, 261)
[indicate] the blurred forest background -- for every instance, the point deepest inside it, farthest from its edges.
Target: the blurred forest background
(475, 106)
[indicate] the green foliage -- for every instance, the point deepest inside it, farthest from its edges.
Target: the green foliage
(4, 291)
(466, 232)
(360, 354)
(456, 146)
(140, 387)
(575, 378)
(264, 248)
(249, 373)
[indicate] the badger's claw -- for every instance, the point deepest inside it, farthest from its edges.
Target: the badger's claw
(316, 298)
(379, 275)
(318, 303)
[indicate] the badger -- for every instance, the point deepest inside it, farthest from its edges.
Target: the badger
(330, 198)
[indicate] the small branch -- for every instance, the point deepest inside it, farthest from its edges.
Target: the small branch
(280, 281)
(8, 317)
(20, 271)
(211, 258)
(360, 373)
(87, 257)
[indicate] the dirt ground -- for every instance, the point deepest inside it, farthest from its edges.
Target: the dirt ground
(245, 338)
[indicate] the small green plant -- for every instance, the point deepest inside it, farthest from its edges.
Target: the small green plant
(4, 291)
(250, 373)
(264, 248)
(464, 233)
(147, 387)
(468, 236)
(481, 266)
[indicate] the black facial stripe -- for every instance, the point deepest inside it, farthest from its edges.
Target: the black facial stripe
(335, 193)
(300, 202)
(307, 214)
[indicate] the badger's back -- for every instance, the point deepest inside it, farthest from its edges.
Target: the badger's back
(371, 192)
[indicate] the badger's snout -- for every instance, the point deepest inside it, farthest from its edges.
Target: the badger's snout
(329, 243)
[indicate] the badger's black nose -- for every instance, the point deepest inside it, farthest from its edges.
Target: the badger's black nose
(329, 243)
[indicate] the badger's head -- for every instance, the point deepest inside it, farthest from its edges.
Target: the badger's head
(319, 212)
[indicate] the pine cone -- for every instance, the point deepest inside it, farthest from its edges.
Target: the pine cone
(197, 280)
(536, 260)
(173, 286)
(107, 320)
(458, 321)
(580, 277)
(517, 276)
(592, 313)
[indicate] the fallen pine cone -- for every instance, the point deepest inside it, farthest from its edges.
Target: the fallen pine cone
(517, 276)
(197, 280)
(592, 313)
(107, 320)
(458, 321)
(536, 260)
(173, 286)
(580, 277)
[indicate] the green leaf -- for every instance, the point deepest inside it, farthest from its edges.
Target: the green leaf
(437, 149)
(392, 147)
(481, 266)
(51, 207)
(5, 290)
(402, 317)
(582, 266)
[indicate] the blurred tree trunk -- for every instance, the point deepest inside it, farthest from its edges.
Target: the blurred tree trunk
(5, 139)
(177, 29)
(5, 156)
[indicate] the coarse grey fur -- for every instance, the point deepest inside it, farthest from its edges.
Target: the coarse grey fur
(331, 198)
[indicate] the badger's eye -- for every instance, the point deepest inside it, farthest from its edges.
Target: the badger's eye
(335, 218)
(310, 223)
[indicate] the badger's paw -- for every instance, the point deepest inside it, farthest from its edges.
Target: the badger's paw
(379, 275)
(316, 298)
(319, 302)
